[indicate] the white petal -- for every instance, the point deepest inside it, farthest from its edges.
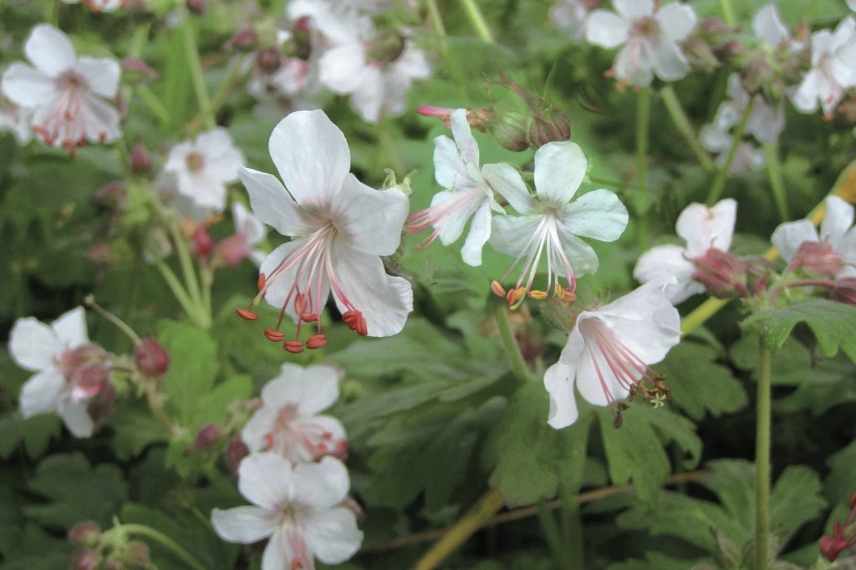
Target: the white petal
(272, 204)
(767, 121)
(676, 21)
(507, 182)
(279, 286)
(594, 378)
(102, 75)
(471, 252)
(559, 382)
(449, 170)
(70, 328)
(40, 394)
(806, 96)
(635, 62)
(332, 535)
(76, 417)
(311, 155)
(559, 170)
(457, 218)
(669, 61)
(598, 214)
(27, 87)
(512, 234)
(276, 555)
(581, 255)
(852, 4)
(372, 220)
(244, 525)
(384, 300)
(256, 430)
(266, 480)
(223, 160)
(703, 227)
(101, 122)
(606, 29)
(313, 389)
(321, 485)
(768, 26)
(369, 98)
(33, 345)
(252, 228)
(837, 220)
(632, 9)
(342, 68)
(50, 50)
(467, 146)
(789, 236)
(668, 264)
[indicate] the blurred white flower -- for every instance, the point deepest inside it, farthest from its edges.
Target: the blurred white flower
(297, 508)
(571, 15)
(551, 222)
(339, 228)
(203, 167)
(770, 30)
(468, 193)
(766, 121)
(99, 5)
(718, 141)
(16, 120)
(289, 421)
(852, 4)
(68, 95)
(70, 371)
(249, 232)
(702, 228)
(650, 39)
(833, 69)
(609, 351)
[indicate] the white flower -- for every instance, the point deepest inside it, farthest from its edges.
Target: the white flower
(650, 39)
(252, 231)
(99, 5)
(296, 508)
(69, 370)
(718, 141)
(571, 15)
(16, 120)
(766, 121)
(203, 167)
(835, 246)
(68, 95)
(852, 4)
(289, 423)
(833, 69)
(702, 228)
(608, 352)
(551, 223)
(339, 228)
(769, 28)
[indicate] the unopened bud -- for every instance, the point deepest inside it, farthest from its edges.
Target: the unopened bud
(203, 243)
(551, 126)
(268, 60)
(831, 546)
(85, 559)
(236, 451)
(386, 47)
(724, 275)
(207, 437)
(244, 39)
(511, 132)
(137, 554)
(818, 257)
(151, 358)
(136, 70)
(141, 161)
(86, 533)
(844, 291)
(196, 6)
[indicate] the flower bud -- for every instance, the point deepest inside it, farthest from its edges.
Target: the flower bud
(818, 257)
(86, 533)
(141, 162)
(831, 546)
(207, 437)
(268, 60)
(244, 39)
(111, 195)
(85, 560)
(236, 451)
(844, 291)
(551, 126)
(233, 250)
(102, 405)
(151, 358)
(137, 554)
(511, 132)
(724, 275)
(386, 47)
(203, 244)
(196, 6)
(136, 70)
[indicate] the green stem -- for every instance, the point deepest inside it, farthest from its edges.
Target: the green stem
(154, 104)
(682, 122)
(197, 76)
(762, 459)
(774, 171)
(477, 20)
(178, 291)
(186, 264)
(437, 24)
(552, 536)
(643, 132)
(165, 541)
(701, 314)
(518, 363)
(728, 12)
(207, 277)
(722, 176)
(89, 301)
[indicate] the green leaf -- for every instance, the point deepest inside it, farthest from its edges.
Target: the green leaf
(839, 484)
(35, 433)
(75, 491)
(192, 370)
(136, 429)
(833, 324)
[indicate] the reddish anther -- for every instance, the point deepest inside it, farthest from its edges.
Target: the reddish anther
(309, 317)
(274, 335)
(246, 314)
(262, 281)
(316, 341)
(293, 346)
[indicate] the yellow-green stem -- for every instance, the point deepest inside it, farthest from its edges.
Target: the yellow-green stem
(477, 20)
(197, 75)
(777, 183)
(165, 541)
(728, 12)
(762, 459)
(154, 105)
(682, 122)
(509, 343)
(190, 308)
(643, 132)
(722, 176)
(188, 270)
(437, 24)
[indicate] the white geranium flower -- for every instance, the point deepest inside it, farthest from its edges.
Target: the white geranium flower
(718, 141)
(339, 228)
(769, 29)
(16, 120)
(468, 193)
(833, 251)
(99, 5)
(833, 69)
(68, 95)
(766, 121)
(296, 508)
(70, 370)
(650, 39)
(571, 15)
(702, 228)
(289, 422)
(609, 352)
(551, 222)
(204, 167)
(852, 4)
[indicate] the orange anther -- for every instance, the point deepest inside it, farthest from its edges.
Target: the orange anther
(274, 335)
(537, 295)
(497, 288)
(246, 314)
(316, 341)
(293, 346)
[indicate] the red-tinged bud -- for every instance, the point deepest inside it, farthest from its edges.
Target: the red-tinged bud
(818, 257)
(207, 437)
(236, 451)
(196, 6)
(85, 559)
(103, 404)
(88, 380)
(86, 533)
(151, 358)
(316, 341)
(203, 244)
(831, 546)
(100, 254)
(244, 39)
(442, 113)
(141, 161)
(293, 346)
(724, 275)
(497, 289)
(111, 195)
(274, 335)
(268, 60)
(548, 126)
(844, 291)
(246, 314)
(233, 250)
(136, 70)
(511, 132)
(137, 554)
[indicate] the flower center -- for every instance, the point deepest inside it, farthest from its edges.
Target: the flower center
(301, 439)
(462, 203)
(66, 120)
(646, 27)
(195, 161)
(85, 370)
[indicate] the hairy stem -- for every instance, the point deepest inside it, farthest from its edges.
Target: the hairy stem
(437, 24)
(728, 12)
(477, 20)
(509, 343)
(196, 74)
(774, 171)
(187, 269)
(165, 541)
(762, 459)
(682, 122)
(722, 176)
(643, 133)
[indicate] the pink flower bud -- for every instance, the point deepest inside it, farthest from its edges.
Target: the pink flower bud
(137, 69)
(844, 291)
(233, 250)
(268, 60)
(207, 437)
(203, 244)
(85, 560)
(549, 126)
(141, 162)
(235, 453)
(818, 257)
(244, 39)
(151, 358)
(832, 545)
(724, 275)
(196, 6)
(85, 533)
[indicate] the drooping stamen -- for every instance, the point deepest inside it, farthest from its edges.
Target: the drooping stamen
(463, 202)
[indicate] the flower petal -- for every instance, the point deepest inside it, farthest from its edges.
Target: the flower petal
(632, 9)
(559, 382)
(70, 328)
(703, 227)
(595, 379)
(512, 235)
(467, 145)
(676, 21)
(223, 160)
(559, 170)
(40, 394)
(279, 286)
(581, 255)
(244, 525)
(768, 26)
(836, 222)
(332, 535)
(277, 555)
(507, 182)
(767, 121)
(371, 219)
(266, 480)
(669, 61)
(668, 264)
(75, 415)
(27, 87)
(449, 169)
(471, 252)
(372, 96)
(598, 214)
(313, 389)
(343, 68)
(33, 345)
(605, 29)
(246, 224)
(321, 485)
(272, 204)
(806, 96)
(384, 300)
(255, 431)
(102, 75)
(788, 237)
(635, 62)
(311, 155)
(50, 50)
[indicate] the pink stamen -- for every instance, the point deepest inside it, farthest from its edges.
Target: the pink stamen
(605, 348)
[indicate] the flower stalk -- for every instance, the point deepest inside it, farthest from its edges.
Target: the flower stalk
(643, 134)
(728, 12)
(774, 171)
(161, 539)
(509, 343)
(682, 122)
(762, 459)
(197, 75)
(722, 176)
(477, 20)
